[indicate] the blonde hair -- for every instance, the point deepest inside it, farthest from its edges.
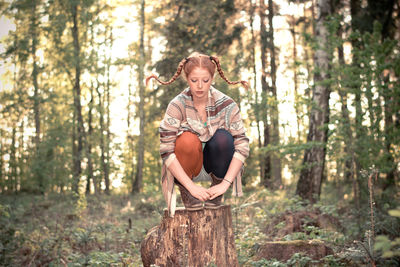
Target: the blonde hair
(201, 61)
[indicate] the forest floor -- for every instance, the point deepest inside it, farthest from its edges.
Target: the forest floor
(67, 230)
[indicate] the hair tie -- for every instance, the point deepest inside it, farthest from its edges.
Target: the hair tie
(211, 58)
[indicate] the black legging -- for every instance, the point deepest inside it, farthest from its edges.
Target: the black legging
(218, 153)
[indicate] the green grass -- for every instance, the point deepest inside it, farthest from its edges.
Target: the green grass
(60, 230)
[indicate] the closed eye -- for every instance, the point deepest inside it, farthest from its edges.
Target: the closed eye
(206, 81)
(193, 81)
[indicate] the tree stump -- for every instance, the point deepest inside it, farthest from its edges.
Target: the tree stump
(192, 238)
(284, 250)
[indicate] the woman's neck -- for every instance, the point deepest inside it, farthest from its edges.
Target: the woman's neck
(200, 102)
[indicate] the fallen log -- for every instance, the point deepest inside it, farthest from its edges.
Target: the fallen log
(191, 238)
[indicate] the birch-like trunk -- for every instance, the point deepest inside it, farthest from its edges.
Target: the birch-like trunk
(309, 184)
(256, 100)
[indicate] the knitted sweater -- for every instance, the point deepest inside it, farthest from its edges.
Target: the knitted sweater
(181, 115)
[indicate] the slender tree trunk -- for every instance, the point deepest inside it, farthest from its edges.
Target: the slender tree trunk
(104, 166)
(308, 53)
(355, 9)
(256, 100)
(130, 166)
(108, 136)
(21, 159)
(77, 100)
(309, 184)
(137, 187)
(36, 94)
(108, 120)
(348, 136)
(90, 131)
(266, 162)
(75, 158)
(274, 113)
(295, 78)
(89, 145)
(12, 177)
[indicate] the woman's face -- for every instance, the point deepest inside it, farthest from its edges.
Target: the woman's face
(199, 80)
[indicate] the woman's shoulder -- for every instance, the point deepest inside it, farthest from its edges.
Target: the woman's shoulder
(222, 98)
(181, 98)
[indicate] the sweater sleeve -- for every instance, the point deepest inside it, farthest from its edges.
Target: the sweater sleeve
(241, 142)
(168, 131)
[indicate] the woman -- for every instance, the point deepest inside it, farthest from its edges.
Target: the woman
(201, 136)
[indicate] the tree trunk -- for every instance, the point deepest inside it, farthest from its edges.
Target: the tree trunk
(256, 103)
(309, 184)
(104, 166)
(308, 53)
(36, 95)
(137, 186)
(77, 101)
(266, 159)
(22, 159)
(274, 113)
(130, 165)
(292, 23)
(108, 121)
(12, 177)
(89, 138)
(355, 9)
(348, 136)
(89, 144)
(192, 238)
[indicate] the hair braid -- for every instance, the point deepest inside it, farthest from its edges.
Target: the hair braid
(221, 73)
(176, 75)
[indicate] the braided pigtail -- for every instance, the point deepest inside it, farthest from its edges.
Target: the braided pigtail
(176, 75)
(221, 73)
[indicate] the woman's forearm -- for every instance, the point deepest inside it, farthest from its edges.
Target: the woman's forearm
(233, 170)
(230, 176)
(179, 173)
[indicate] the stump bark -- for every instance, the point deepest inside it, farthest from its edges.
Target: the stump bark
(192, 238)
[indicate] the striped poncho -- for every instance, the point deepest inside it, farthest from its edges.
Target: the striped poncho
(181, 115)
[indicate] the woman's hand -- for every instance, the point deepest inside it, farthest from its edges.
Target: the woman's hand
(199, 192)
(218, 189)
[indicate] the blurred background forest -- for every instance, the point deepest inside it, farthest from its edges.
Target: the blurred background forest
(79, 160)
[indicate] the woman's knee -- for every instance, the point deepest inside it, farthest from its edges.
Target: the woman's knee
(222, 140)
(189, 152)
(188, 144)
